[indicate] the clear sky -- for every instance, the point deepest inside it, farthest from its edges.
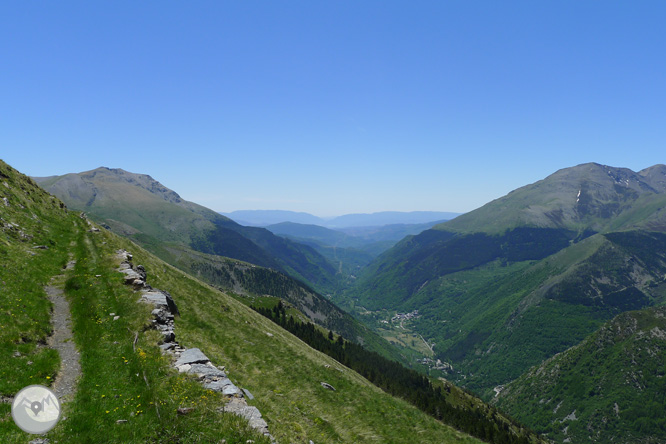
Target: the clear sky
(333, 107)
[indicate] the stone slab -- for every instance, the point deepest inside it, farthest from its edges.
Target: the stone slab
(192, 356)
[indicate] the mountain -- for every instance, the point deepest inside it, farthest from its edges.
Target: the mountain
(143, 209)
(609, 388)
(261, 218)
(388, 218)
(57, 264)
(528, 275)
(350, 248)
(315, 233)
(249, 283)
(199, 241)
(586, 197)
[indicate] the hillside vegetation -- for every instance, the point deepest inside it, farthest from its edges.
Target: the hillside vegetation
(124, 375)
(609, 388)
(137, 206)
(529, 275)
(199, 241)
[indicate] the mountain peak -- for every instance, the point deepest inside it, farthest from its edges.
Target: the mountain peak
(586, 196)
(655, 176)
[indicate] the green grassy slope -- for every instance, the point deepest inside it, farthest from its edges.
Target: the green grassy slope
(248, 281)
(504, 287)
(121, 381)
(586, 197)
(137, 206)
(118, 381)
(179, 232)
(610, 388)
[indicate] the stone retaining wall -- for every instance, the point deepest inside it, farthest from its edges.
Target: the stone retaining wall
(189, 360)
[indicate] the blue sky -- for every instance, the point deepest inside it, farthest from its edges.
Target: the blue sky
(333, 107)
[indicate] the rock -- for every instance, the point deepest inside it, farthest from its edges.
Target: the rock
(130, 275)
(167, 346)
(239, 407)
(168, 336)
(270, 335)
(162, 316)
(192, 356)
(40, 441)
(115, 318)
(5, 201)
(248, 394)
(122, 421)
(139, 283)
(184, 368)
(328, 386)
(154, 297)
(231, 390)
(171, 304)
(41, 247)
(205, 371)
(185, 410)
(142, 271)
(219, 385)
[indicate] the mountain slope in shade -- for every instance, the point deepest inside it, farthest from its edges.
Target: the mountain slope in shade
(609, 388)
(138, 206)
(529, 275)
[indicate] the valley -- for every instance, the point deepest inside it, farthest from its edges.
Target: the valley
(373, 222)
(481, 306)
(127, 391)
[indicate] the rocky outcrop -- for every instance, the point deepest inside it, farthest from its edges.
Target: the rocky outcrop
(188, 360)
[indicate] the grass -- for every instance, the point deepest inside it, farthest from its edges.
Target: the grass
(125, 382)
(284, 374)
(119, 381)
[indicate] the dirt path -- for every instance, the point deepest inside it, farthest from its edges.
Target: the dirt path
(62, 340)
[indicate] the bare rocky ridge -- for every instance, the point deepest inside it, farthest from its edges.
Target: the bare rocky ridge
(192, 361)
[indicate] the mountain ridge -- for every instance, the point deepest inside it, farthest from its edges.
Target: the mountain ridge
(578, 198)
(528, 275)
(141, 207)
(272, 217)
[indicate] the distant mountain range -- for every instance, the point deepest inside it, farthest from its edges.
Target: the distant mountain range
(262, 218)
(349, 248)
